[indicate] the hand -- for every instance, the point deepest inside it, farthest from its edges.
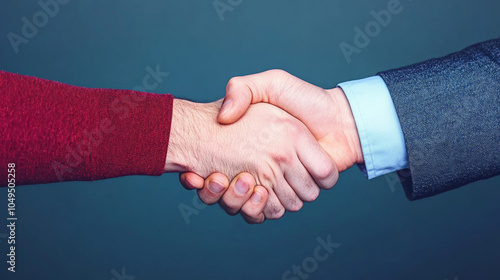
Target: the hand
(249, 205)
(326, 113)
(274, 147)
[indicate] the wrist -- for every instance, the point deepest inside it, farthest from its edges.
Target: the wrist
(348, 123)
(189, 123)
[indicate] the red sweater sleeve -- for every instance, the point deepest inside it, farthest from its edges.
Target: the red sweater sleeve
(56, 132)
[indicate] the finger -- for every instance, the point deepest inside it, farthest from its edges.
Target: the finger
(213, 188)
(287, 196)
(191, 181)
(321, 167)
(302, 183)
(239, 191)
(252, 210)
(273, 209)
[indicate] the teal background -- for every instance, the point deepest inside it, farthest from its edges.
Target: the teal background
(87, 230)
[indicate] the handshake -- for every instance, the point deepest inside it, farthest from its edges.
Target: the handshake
(278, 154)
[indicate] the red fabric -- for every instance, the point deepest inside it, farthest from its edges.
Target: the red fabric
(57, 132)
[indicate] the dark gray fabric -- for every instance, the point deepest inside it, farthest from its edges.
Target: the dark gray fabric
(449, 113)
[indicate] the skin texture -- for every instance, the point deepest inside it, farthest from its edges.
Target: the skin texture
(326, 113)
(275, 149)
(251, 209)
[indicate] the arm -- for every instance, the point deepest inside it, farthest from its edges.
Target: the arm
(470, 105)
(55, 132)
(452, 136)
(326, 113)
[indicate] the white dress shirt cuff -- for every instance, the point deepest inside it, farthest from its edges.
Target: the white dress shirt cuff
(378, 126)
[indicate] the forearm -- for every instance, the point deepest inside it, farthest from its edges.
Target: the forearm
(186, 134)
(448, 109)
(195, 138)
(56, 132)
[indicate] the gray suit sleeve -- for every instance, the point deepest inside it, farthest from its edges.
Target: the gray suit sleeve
(449, 113)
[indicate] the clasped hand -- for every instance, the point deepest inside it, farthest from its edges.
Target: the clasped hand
(278, 155)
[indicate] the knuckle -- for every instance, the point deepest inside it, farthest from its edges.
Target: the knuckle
(294, 127)
(333, 180)
(259, 220)
(295, 206)
(229, 211)
(234, 81)
(275, 213)
(266, 174)
(231, 206)
(206, 199)
(248, 212)
(253, 220)
(297, 130)
(326, 171)
(278, 72)
(283, 157)
(312, 194)
(251, 217)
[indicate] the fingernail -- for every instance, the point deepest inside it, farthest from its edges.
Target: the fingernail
(241, 187)
(256, 197)
(226, 106)
(215, 187)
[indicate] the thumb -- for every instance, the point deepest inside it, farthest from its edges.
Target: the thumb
(236, 102)
(307, 102)
(243, 91)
